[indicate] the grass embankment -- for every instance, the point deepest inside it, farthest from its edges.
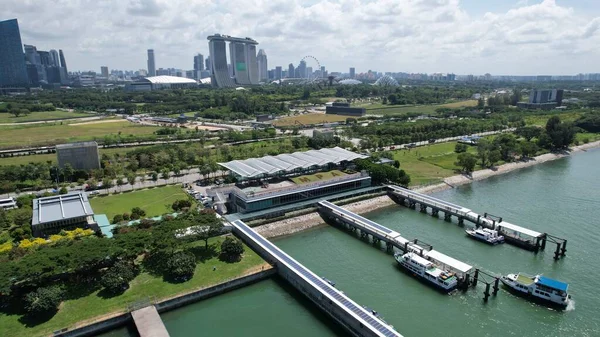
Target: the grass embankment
(155, 201)
(380, 109)
(429, 163)
(57, 133)
(308, 119)
(89, 305)
(41, 116)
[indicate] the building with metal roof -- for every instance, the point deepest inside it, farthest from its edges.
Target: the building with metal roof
(55, 213)
(161, 82)
(293, 163)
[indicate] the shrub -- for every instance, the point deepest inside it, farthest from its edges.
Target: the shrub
(179, 205)
(460, 148)
(231, 249)
(181, 266)
(116, 279)
(43, 300)
(117, 218)
(126, 216)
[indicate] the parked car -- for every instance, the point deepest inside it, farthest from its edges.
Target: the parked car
(94, 192)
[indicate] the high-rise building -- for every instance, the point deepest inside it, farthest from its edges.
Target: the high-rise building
(36, 72)
(323, 72)
(63, 63)
(45, 58)
(302, 69)
(13, 72)
(199, 62)
(243, 68)
(352, 72)
(104, 71)
(262, 65)
(207, 63)
(55, 60)
(278, 73)
(151, 64)
(291, 70)
(309, 72)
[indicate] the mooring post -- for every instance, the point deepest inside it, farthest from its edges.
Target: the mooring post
(563, 251)
(411, 204)
(389, 247)
(557, 251)
(461, 221)
(435, 212)
(486, 293)
(476, 277)
(495, 292)
(543, 242)
(423, 208)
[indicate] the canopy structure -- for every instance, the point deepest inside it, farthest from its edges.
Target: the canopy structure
(287, 163)
(449, 261)
(522, 230)
(554, 284)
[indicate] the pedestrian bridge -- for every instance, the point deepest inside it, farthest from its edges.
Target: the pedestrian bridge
(354, 318)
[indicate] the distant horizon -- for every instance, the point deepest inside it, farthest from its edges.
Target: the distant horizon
(524, 38)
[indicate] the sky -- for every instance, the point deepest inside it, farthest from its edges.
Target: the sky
(501, 37)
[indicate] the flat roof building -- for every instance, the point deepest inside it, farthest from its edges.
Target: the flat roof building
(62, 212)
(161, 82)
(81, 156)
(345, 110)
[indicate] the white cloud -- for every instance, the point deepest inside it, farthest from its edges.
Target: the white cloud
(384, 35)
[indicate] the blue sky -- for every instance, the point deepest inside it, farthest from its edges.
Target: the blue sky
(460, 36)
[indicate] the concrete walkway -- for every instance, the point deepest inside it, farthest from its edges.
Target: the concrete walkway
(148, 322)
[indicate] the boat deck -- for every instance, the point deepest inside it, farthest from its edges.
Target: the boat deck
(524, 280)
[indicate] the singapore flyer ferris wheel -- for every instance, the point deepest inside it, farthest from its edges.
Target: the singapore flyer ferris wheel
(310, 69)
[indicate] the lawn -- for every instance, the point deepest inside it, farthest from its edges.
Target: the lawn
(58, 133)
(591, 137)
(317, 177)
(540, 120)
(41, 115)
(155, 201)
(37, 158)
(430, 163)
(380, 109)
(308, 119)
(90, 304)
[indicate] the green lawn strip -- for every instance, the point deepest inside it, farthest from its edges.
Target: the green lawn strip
(145, 285)
(309, 178)
(591, 137)
(42, 158)
(155, 201)
(57, 133)
(41, 115)
(380, 109)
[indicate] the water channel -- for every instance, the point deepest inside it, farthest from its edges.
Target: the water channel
(561, 198)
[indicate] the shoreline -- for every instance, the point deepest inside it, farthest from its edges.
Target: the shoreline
(311, 220)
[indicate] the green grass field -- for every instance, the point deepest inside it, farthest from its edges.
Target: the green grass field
(55, 133)
(89, 305)
(41, 115)
(155, 201)
(36, 158)
(540, 120)
(317, 177)
(380, 109)
(308, 119)
(430, 163)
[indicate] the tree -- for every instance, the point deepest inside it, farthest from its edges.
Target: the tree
(107, 183)
(460, 148)
(483, 150)
(178, 205)
(131, 179)
(231, 249)
(117, 218)
(506, 143)
(68, 172)
(481, 103)
(528, 132)
(165, 174)
(466, 161)
(43, 300)
(120, 183)
(137, 213)
(494, 156)
(154, 177)
(397, 164)
(561, 134)
(116, 279)
(528, 149)
(181, 266)
(210, 226)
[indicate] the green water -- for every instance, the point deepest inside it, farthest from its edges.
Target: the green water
(560, 198)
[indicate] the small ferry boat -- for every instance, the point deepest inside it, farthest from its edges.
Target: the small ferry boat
(427, 271)
(539, 289)
(486, 235)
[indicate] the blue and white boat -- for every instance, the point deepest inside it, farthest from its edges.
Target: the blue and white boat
(539, 289)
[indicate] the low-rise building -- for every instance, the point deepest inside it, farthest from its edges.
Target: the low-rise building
(81, 156)
(344, 109)
(8, 203)
(62, 212)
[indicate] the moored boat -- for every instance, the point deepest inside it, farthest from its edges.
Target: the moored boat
(427, 271)
(486, 235)
(539, 289)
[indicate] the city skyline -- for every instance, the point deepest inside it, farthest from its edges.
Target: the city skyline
(463, 37)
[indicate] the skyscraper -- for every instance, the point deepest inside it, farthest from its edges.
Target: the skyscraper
(237, 53)
(207, 63)
(63, 63)
(278, 73)
(352, 73)
(151, 64)
(291, 71)
(262, 65)
(323, 72)
(302, 69)
(12, 64)
(104, 71)
(55, 60)
(36, 72)
(218, 62)
(252, 63)
(199, 62)
(243, 68)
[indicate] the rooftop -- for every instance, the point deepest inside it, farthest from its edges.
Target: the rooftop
(60, 207)
(284, 163)
(554, 284)
(77, 144)
(169, 80)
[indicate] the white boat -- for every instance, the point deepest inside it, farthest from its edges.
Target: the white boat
(486, 235)
(538, 289)
(427, 271)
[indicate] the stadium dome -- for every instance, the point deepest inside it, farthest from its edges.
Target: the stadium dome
(350, 82)
(387, 81)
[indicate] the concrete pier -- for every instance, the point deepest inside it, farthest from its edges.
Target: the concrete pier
(148, 322)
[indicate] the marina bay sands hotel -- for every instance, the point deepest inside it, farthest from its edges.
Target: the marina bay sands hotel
(242, 54)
